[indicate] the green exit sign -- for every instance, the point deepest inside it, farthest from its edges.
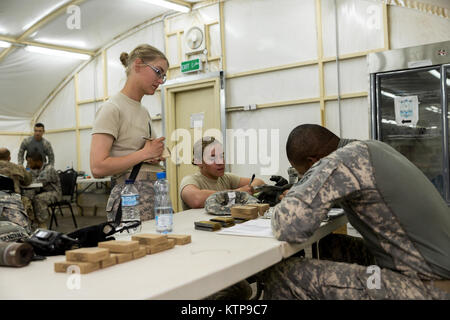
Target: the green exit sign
(191, 65)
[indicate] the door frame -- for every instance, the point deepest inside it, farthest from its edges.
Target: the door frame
(168, 91)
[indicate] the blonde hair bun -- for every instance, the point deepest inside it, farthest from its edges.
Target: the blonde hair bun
(124, 59)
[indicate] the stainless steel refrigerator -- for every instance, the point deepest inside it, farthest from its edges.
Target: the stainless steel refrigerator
(409, 105)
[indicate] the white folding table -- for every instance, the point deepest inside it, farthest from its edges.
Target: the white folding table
(208, 264)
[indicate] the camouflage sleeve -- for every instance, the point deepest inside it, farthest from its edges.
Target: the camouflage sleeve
(49, 152)
(22, 148)
(47, 175)
(26, 177)
(303, 208)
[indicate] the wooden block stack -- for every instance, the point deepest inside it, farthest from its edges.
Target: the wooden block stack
(87, 259)
(262, 207)
(180, 239)
(154, 243)
(244, 212)
(113, 252)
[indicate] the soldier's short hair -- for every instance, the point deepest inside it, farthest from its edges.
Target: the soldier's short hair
(40, 125)
(4, 154)
(199, 147)
(309, 140)
(36, 156)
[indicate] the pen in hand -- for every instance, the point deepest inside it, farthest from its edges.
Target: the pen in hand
(251, 180)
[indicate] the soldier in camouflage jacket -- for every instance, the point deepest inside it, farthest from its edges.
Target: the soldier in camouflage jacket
(50, 190)
(402, 218)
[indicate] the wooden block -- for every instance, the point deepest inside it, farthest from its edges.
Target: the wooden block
(122, 257)
(150, 239)
(244, 212)
(85, 267)
(161, 247)
(119, 246)
(262, 207)
(180, 239)
(141, 252)
(108, 262)
(87, 254)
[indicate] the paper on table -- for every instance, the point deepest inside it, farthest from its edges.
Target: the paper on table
(251, 228)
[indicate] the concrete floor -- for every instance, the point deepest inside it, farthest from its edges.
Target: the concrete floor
(65, 223)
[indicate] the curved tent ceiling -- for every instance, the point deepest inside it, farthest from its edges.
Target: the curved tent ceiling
(27, 78)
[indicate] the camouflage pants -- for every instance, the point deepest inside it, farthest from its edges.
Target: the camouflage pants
(41, 202)
(146, 200)
(300, 278)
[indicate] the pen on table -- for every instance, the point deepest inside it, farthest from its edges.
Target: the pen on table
(253, 178)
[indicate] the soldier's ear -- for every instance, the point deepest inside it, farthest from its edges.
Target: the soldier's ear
(311, 160)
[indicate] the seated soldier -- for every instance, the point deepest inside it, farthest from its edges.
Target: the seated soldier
(20, 176)
(49, 192)
(401, 216)
(196, 188)
(17, 173)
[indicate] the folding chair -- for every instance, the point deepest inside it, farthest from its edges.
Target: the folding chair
(68, 180)
(6, 184)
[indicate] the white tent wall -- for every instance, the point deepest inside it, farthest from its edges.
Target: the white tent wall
(280, 56)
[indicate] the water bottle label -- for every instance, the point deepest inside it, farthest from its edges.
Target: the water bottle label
(129, 201)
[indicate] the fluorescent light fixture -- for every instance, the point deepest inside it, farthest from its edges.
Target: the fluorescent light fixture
(4, 44)
(62, 42)
(388, 94)
(437, 74)
(169, 5)
(58, 53)
(44, 14)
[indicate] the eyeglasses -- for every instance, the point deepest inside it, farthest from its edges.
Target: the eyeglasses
(158, 72)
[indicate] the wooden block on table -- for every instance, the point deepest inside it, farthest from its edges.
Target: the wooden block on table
(119, 246)
(141, 252)
(122, 257)
(244, 212)
(161, 247)
(84, 267)
(150, 239)
(180, 239)
(108, 262)
(87, 254)
(262, 207)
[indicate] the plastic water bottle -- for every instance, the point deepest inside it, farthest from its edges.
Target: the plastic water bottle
(130, 212)
(163, 205)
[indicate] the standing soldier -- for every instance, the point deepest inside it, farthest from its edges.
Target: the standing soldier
(37, 143)
(401, 216)
(50, 190)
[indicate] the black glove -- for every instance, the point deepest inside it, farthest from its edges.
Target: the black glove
(279, 180)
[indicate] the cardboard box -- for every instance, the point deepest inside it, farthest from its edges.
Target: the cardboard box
(150, 239)
(119, 246)
(84, 267)
(87, 254)
(180, 239)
